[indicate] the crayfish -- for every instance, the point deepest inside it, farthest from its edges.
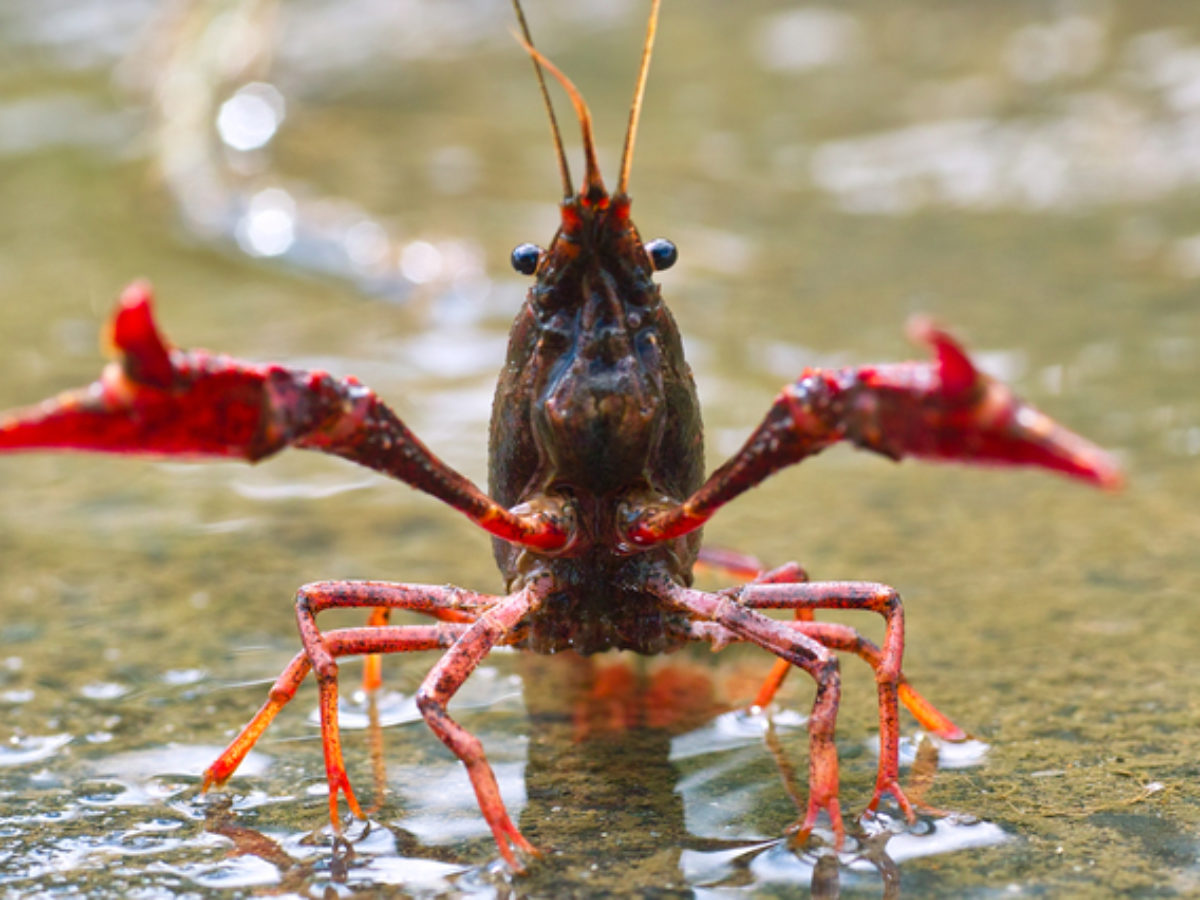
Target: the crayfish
(597, 493)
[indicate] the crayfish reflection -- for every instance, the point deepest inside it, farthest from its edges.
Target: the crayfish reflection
(635, 771)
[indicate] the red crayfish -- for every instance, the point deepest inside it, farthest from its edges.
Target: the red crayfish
(597, 493)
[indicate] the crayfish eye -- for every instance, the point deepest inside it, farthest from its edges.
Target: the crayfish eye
(525, 258)
(662, 253)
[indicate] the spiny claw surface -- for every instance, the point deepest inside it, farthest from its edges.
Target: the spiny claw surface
(982, 420)
(152, 399)
(134, 333)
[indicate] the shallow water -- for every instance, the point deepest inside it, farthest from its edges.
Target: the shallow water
(1025, 172)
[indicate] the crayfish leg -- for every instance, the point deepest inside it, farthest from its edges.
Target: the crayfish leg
(322, 651)
(744, 566)
(331, 744)
(340, 642)
(444, 680)
(929, 716)
(282, 691)
(720, 618)
(373, 665)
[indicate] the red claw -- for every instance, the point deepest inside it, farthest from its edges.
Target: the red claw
(158, 400)
(145, 355)
(995, 426)
(152, 399)
(958, 374)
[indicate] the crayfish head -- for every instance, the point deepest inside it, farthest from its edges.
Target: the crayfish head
(608, 352)
(595, 399)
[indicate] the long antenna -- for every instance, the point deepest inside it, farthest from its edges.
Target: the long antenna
(593, 184)
(635, 111)
(563, 169)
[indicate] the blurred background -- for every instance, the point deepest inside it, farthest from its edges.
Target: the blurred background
(339, 185)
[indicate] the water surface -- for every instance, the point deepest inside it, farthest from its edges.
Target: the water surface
(1025, 172)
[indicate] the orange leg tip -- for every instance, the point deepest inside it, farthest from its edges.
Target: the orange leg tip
(797, 840)
(506, 853)
(900, 797)
(771, 684)
(352, 802)
(372, 673)
(508, 839)
(523, 845)
(339, 782)
(839, 829)
(335, 820)
(524, 857)
(800, 836)
(800, 833)
(929, 716)
(215, 776)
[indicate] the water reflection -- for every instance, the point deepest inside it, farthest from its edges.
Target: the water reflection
(618, 771)
(625, 774)
(625, 765)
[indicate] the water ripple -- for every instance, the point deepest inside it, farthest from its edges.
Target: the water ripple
(21, 751)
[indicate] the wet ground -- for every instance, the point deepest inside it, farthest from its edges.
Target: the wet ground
(1026, 172)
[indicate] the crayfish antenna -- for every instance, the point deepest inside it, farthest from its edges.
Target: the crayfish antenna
(563, 169)
(593, 184)
(639, 91)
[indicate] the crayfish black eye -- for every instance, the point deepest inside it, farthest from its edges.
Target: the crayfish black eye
(662, 253)
(525, 258)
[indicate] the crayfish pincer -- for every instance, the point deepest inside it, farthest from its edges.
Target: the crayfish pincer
(597, 491)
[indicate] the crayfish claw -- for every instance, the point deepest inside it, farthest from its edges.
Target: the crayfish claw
(145, 356)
